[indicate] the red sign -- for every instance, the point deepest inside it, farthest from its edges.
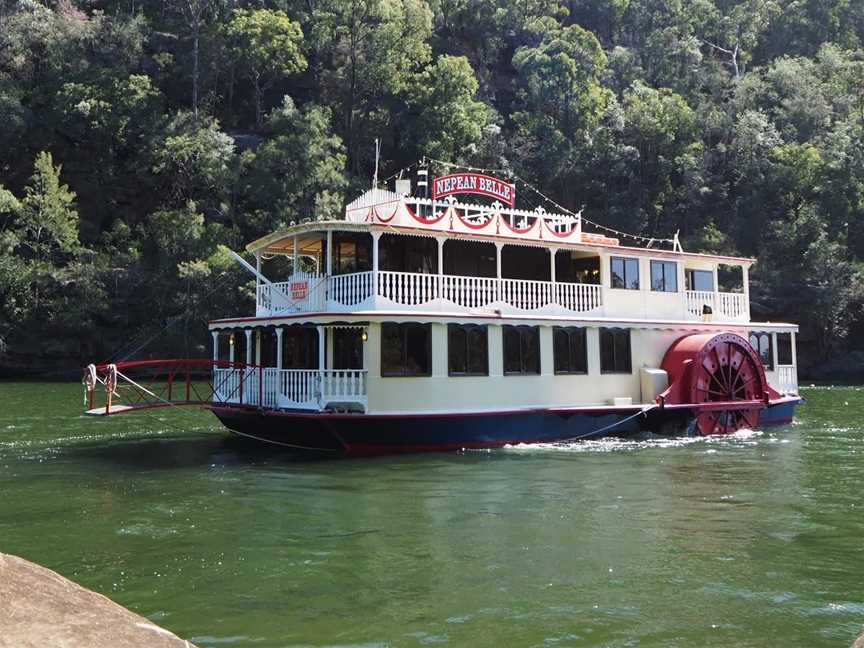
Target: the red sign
(474, 183)
(299, 290)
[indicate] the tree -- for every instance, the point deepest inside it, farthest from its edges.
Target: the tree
(298, 173)
(48, 219)
(268, 43)
(374, 48)
(195, 161)
(447, 120)
(559, 96)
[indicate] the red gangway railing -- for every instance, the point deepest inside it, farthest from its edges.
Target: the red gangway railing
(146, 384)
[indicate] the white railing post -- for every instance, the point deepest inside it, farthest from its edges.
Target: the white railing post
(279, 332)
(745, 278)
(215, 335)
(321, 341)
(258, 283)
(248, 333)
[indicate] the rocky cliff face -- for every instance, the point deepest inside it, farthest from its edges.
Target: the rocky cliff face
(39, 607)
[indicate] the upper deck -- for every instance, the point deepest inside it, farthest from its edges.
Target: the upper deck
(395, 252)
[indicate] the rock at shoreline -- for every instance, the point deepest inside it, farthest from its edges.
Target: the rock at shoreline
(859, 643)
(39, 607)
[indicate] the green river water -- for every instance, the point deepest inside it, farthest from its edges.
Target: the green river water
(754, 540)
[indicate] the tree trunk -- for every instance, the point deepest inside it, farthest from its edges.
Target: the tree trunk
(259, 118)
(195, 39)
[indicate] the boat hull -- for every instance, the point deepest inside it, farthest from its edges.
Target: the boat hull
(370, 434)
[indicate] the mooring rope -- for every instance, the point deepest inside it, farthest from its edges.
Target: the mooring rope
(612, 426)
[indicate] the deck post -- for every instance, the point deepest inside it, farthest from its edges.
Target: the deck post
(295, 258)
(279, 332)
(794, 352)
(321, 339)
(376, 236)
(439, 281)
(231, 348)
(774, 354)
(215, 335)
(248, 346)
(498, 247)
(258, 276)
(329, 261)
(745, 280)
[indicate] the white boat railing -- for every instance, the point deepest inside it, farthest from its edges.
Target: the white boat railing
(414, 289)
(306, 389)
(388, 289)
(787, 379)
(350, 289)
(304, 292)
(723, 305)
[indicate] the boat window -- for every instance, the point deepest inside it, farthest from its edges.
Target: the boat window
(571, 267)
(615, 350)
(408, 254)
(529, 263)
(664, 276)
(347, 348)
(299, 348)
(469, 258)
(761, 343)
(467, 350)
(521, 350)
(625, 273)
(700, 280)
(406, 349)
(570, 350)
(352, 252)
(784, 349)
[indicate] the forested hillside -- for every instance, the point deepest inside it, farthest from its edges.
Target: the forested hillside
(138, 137)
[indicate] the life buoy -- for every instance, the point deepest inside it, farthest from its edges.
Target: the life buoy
(111, 378)
(89, 379)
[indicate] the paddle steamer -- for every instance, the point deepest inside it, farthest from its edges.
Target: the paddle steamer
(426, 320)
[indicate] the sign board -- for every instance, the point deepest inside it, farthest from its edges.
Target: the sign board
(474, 183)
(299, 290)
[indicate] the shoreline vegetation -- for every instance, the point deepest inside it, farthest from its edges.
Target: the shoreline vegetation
(140, 140)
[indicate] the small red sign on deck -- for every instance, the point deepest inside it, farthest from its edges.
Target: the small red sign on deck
(474, 183)
(299, 290)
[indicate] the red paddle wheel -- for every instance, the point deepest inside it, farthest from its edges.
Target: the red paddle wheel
(720, 378)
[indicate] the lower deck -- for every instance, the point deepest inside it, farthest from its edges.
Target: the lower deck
(411, 367)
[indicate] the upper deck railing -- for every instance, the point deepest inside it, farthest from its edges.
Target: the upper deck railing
(393, 291)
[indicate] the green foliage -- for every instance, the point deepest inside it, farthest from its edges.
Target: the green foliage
(298, 173)
(267, 42)
(450, 121)
(47, 219)
(737, 123)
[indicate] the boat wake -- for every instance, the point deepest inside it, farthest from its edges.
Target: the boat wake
(642, 442)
